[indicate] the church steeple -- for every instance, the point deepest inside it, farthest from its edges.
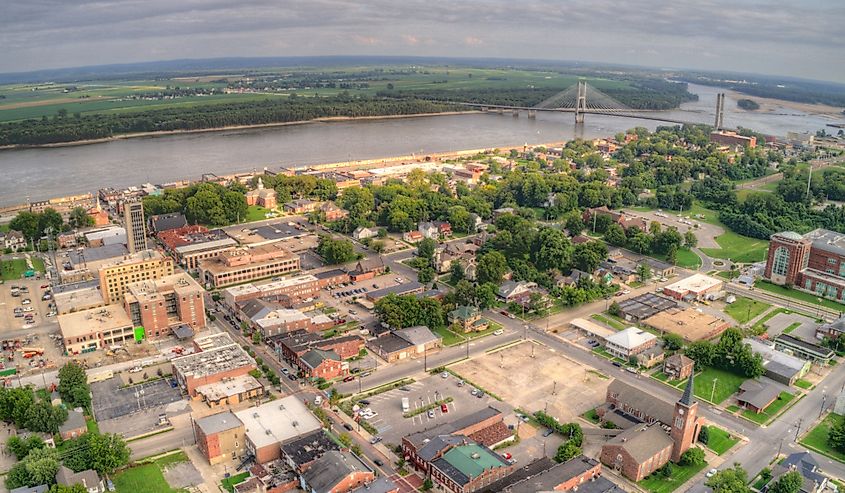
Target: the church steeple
(689, 390)
(685, 425)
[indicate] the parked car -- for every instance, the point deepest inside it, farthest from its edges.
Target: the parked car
(347, 426)
(480, 394)
(616, 364)
(285, 371)
(711, 473)
(444, 375)
(349, 378)
(374, 440)
(548, 432)
(507, 456)
(444, 408)
(291, 377)
(378, 462)
(498, 332)
(431, 413)
(364, 402)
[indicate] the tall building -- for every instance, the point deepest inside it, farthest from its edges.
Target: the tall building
(163, 304)
(685, 425)
(136, 232)
(814, 262)
(144, 265)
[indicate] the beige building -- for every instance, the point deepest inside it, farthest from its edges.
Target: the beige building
(87, 330)
(136, 231)
(159, 305)
(141, 266)
(247, 264)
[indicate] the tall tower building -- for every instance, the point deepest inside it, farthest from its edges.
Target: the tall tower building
(136, 232)
(684, 422)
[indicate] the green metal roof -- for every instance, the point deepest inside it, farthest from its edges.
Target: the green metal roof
(464, 312)
(472, 459)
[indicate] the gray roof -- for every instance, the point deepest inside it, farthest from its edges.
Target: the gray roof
(645, 305)
(549, 479)
(369, 264)
(382, 484)
(41, 488)
(788, 340)
(66, 477)
(679, 360)
(398, 289)
(806, 465)
(417, 335)
(519, 475)
(308, 448)
(97, 253)
(258, 308)
(688, 398)
(219, 422)
(314, 357)
(164, 222)
(75, 421)
(837, 325)
(278, 231)
(183, 331)
(773, 358)
(827, 240)
(389, 343)
(642, 442)
(757, 393)
(418, 438)
(638, 399)
(437, 444)
(330, 469)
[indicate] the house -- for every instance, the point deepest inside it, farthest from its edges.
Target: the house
(468, 318)
(630, 342)
(301, 206)
(87, 478)
(219, 436)
(573, 278)
(515, 290)
(804, 463)
(367, 268)
(429, 230)
(678, 366)
(362, 233)
(12, 240)
(318, 363)
(336, 472)
(660, 432)
(74, 426)
(405, 343)
(831, 330)
(332, 212)
(659, 268)
(412, 236)
(757, 395)
(778, 365)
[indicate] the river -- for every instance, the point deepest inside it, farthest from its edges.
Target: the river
(41, 173)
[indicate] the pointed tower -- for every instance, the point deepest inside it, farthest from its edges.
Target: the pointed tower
(685, 421)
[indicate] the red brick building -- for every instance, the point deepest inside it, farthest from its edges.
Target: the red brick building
(220, 437)
(814, 262)
(318, 363)
(217, 358)
(337, 472)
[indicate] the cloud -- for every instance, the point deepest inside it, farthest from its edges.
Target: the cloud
(776, 36)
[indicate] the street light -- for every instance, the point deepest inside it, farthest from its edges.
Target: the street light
(824, 397)
(713, 391)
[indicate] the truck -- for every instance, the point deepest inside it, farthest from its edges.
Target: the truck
(406, 405)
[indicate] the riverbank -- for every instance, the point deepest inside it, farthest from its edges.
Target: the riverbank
(775, 106)
(231, 128)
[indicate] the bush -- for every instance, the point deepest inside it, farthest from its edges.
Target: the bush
(692, 457)
(704, 435)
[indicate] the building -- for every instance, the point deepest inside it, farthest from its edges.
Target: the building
(162, 304)
(367, 268)
(336, 471)
(756, 395)
(814, 262)
(831, 330)
(468, 467)
(689, 323)
(468, 318)
(41, 488)
(414, 236)
(88, 478)
(84, 297)
(581, 474)
(382, 484)
(804, 463)
(301, 453)
(275, 423)
(74, 426)
(645, 447)
(190, 244)
(272, 319)
(779, 366)
(331, 212)
(732, 139)
(592, 329)
(260, 196)
(166, 222)
(88, 330)
(678, 366)
(144, 265)
(804, 350)
(630, 342)
(12, 240)
(404, 289)
(83, 264)
(247, 264)
(230, 391)
(696, 287)
(515, 290)
(220, 437)
(644, 306)
(136, 231)
(287, 292)
(218, 358)
(616, 217)
(405, 343)
(293, 345)
(319, 363)
(362, 233)
(301, 206)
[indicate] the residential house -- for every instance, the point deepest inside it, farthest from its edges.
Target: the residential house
(362, 233)
(87, 478)
(13, 240)
(630, 342)
(412, 236)
(831, 330)
(74, 426)
(332, 212)
(515, 290)
(678, 366)
(757, 395)
(814, 481)
(468, 318)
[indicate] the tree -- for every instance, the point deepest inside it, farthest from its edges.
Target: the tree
(704, 435)
(20, 448)
(491, 268)
(456, 270)
(427, 484)
(672, 342)
(692, 457)
(76, 488)
(731, 480)
(667, 470)
(788, 483)
(108, 452)
(426, 275)
(690, 240)
(41, 466)
(568, 450)
(335, 251)
(644, 272)
(79, 218)
(44, 417)
(73, 385)
(615, 235)
(425, 248)
(640, 242)
(836, 436)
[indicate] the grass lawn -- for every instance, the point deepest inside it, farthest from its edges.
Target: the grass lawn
(817, 438)
(720, 441)
(230, 482)
(449, 337)
(738, 248)
(92, 425)
(733, 408)
(801, 383)
(607, 321)
(602, 352)
(744, 309)
(728, 274)
(147, 478)
(685, 258)
(771, 411)
(256, 213)
(656, 483)
(482, 333)
(591, 416)
(798, 295)
(727, 384)
(791, 327)
(11, 270)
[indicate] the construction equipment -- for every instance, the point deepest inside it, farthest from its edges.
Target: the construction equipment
(31, 352)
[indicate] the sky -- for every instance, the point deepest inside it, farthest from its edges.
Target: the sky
(804, 38)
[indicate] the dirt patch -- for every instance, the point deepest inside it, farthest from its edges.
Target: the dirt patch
(47, 102)
(769, 105)
(182, 475)
(546, 381)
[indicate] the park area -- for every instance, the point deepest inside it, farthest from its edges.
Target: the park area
(738, 248)
(744, 309)
(658, 483)
(534, 378)
(816, 439)
(12, 270)
(715, 385)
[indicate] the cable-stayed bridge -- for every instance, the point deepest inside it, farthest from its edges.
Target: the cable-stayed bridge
(583, 98)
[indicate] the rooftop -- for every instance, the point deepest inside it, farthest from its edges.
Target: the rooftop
(398, 289)
(228, 387)
(464, 462)
(788, 340)
(134, 258)
(592, 328)
(93, 320)
(827, 240)
(419, 438)
(418, 335)
(631, 338)
(330, 469)
(309, 447)
(152, 289)
(695, 283)
(219, 422)
(689, 323)
(757, 393)
(771, 355)
(645, 305)
(278, 421)
(96, 254)
(213, 360)
(642, 441)
(79, 299)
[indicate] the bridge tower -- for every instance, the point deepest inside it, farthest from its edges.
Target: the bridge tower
(581, 102)
(720, 110)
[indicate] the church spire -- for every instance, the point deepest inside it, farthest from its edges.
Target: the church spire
(687, 398)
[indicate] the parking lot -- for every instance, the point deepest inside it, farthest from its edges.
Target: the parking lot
(32, 290)
(345, 299)
(704, 232)
(391, 423)
(533, 377)
(111, 401)
(782, 321)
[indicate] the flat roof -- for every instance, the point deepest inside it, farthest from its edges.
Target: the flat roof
(688, 323)
(97, 254)
(212, 359)
(827, 240)
(93, 320)
(133, 258)
(278, 421)
(180, 283)
(206, 245)
(695, 283)
(398, 289)
(215, 423)
(229, 387)
(78, 299)
(645, 305)
(631, 338)
(592, 328)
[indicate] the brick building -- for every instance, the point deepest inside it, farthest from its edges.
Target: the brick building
(165, 303)
(287, 292)
(814, 262)
(217, 358)
(271, 425)
(336, 471)
(144, 265)
(220, 437)
(247, 264)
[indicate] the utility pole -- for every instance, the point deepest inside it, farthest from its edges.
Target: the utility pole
(809, 178)
(712, 392)
(798, 428)
(824, 398)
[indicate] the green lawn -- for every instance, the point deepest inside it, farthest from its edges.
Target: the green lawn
(685, 258)
(255, 213)
(720, 441)
(92, 425)
(147, 478)
(744, 309)
(607, 321)
(591, 416)
(817, 438)
(801, 383)
(230, 482)
(449, 337)
(728, 274)
(760, 326)
(727, 384)
(656, 483)
(798, 295)
(791, 327)
(11, 270)
(738, 248)
(772, 411)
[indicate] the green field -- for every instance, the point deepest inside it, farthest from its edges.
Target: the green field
(148, 478)
(685, 258)
(798, 295)
(720, 441)
(772, 411)
(256, 213)
(608, 321)
(11, 270)
(804, 384)
(744, 309)
(449, 337)
(656, 483)
(817, 438)
(738, 248)
(727, 384)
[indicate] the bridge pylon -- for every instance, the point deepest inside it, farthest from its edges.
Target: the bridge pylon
(581, 102)
(720, 110)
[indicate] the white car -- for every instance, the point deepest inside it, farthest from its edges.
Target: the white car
(711, 473)
(498, 332)
(136, 369)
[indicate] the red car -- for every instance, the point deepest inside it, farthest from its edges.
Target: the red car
(444, 408)
(349, 378)
(507, 456)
